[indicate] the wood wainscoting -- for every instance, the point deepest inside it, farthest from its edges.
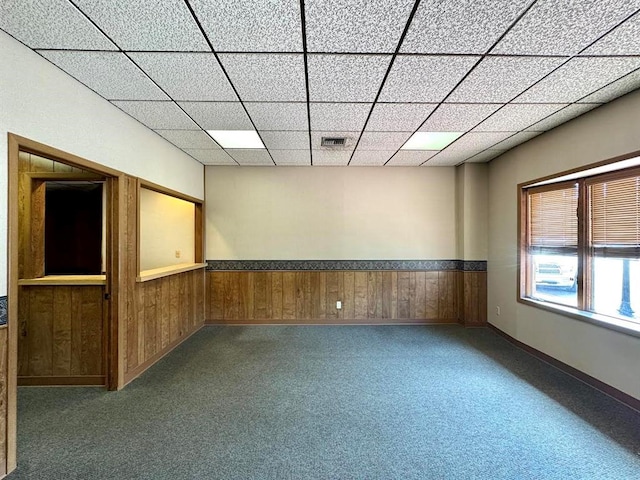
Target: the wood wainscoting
(368, 297)
(160, 313)
(61, 335)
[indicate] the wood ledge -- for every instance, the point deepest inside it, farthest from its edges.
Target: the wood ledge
(155, 273)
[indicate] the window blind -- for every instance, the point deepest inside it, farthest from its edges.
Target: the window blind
(614, 206)
(553, 220)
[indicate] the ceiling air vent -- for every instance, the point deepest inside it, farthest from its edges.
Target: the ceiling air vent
(333, 141)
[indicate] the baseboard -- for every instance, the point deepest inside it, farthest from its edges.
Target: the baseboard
(613, 392)
(336, 321)
(140, 369)
(63, 381)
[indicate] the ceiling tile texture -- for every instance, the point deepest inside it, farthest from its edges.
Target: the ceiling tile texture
(500, 72)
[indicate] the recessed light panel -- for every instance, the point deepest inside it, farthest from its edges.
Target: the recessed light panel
(236, 138)
(430, 140)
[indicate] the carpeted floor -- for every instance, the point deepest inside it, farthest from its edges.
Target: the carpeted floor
(343, 402)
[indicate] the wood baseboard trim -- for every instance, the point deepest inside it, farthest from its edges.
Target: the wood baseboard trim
(63, 381)
(140, 369)
(336, 321)
(607, 389)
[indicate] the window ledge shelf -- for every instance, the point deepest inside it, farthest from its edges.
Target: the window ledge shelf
(155, 273)
(65, 280)
(612, 323)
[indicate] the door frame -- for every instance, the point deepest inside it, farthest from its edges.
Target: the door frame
(115, 226)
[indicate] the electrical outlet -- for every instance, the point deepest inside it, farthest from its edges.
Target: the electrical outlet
(498, 310)
(339, 305)
(178, 253)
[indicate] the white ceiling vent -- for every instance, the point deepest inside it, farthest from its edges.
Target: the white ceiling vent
(333, 141)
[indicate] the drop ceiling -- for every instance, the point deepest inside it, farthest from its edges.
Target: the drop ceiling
(372, 71)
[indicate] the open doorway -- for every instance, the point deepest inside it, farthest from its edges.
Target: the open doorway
(63, 271)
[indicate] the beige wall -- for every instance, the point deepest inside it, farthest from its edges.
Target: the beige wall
(167, 225)
(331, 213)
(472, 184)
(606, 132)
(40, 102)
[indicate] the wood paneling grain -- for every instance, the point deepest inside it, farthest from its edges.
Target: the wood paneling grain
(366, 296)
(62, 334)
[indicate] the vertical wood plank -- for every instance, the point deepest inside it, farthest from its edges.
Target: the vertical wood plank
(288, 295)
(216, 292)
(412, 295)
(348, 299)
(41, 331)
(150, 316)
(482, 297)
(404, 293)
(386, 295)
(184, 306)
(140, 316)
(92, 329)
(431, 295)
(165, 311)
(77, 315)
(333, 289)
(394, 295)
(446, 300)
(360, 295)
(263, 292)
(374, 294)
(174, 308)
(24, 305)
(420, 296)
(62, 331)
(276, 295)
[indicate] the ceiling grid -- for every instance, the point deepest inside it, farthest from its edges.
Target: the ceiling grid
(377, 73)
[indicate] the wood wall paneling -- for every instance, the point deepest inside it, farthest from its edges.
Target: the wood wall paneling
(366, 296)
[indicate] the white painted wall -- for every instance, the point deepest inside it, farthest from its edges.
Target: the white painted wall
(472, 184)
(331, 213)
(601, 134)
(167, 225)
(40, 102)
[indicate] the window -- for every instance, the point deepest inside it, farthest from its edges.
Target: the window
(580, 246)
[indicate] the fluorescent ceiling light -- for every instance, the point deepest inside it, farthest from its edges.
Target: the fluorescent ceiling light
(236, 138)
(430, 140)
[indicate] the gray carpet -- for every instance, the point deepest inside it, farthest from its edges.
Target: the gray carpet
(343, 402)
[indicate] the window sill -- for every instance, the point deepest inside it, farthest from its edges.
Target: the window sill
(611, 323)
(155, 273)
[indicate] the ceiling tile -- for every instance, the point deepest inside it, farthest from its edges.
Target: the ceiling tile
(285, 140)
(356, 25)
(477, 141)
(339, 116)
(514, 117)
(370, 158)
(485, 156)
(577, 78)
(211, 157)
(110, 74)
(623, 40)
(279, 116)
(189, 139)
(402, 117)
(624, 85)
(500, 79)
(158, 115)
(564, 115)
(251, 156)
(291, 157)
(554, 27)
(424, 78)
(350, 144)
(187, 76)
(515, 140)
(406, 158)
(448, 158)
(251, 25)
(458, 117)
(267, 77)
(383, 140)
(328, 157)
(146, 24)
(469, 26)
(346, 78)
(51, 24)
(218, 115)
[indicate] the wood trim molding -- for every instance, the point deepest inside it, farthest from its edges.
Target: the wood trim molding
(156, 273)
(80, 380)
(605, 388)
